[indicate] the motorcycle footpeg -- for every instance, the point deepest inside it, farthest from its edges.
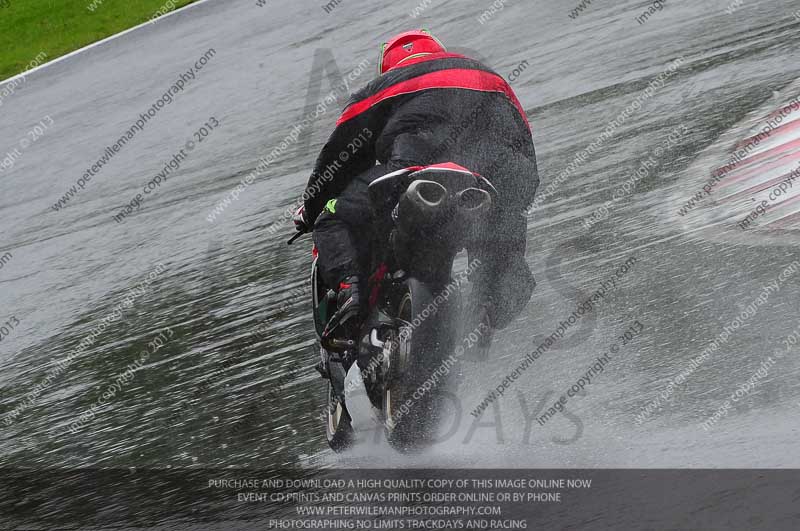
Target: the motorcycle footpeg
(337, 345)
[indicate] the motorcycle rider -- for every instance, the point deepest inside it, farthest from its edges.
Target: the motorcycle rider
(427, 106)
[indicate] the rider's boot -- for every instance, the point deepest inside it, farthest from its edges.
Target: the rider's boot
(350, 301)
(344, 323)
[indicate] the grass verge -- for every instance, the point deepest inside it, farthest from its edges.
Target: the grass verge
(36, 31)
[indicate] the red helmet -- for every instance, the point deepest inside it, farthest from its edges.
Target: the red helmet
(406, 45)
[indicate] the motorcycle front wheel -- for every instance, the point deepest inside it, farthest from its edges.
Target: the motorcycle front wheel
(338, 426)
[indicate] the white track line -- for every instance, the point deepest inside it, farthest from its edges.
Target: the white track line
(98, 43)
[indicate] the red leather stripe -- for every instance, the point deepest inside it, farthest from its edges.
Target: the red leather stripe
(460, 78)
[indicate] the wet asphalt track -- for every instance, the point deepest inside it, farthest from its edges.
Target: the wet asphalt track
(218, 394)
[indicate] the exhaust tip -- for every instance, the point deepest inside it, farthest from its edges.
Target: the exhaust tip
(474, 199)
(429, 192)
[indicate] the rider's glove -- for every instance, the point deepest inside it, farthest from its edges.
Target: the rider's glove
(300, 220)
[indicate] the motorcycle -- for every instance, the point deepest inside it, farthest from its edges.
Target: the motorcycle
(408, 338)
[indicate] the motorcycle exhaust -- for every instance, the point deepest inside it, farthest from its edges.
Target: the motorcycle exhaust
(422, 201)
(473, 203)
